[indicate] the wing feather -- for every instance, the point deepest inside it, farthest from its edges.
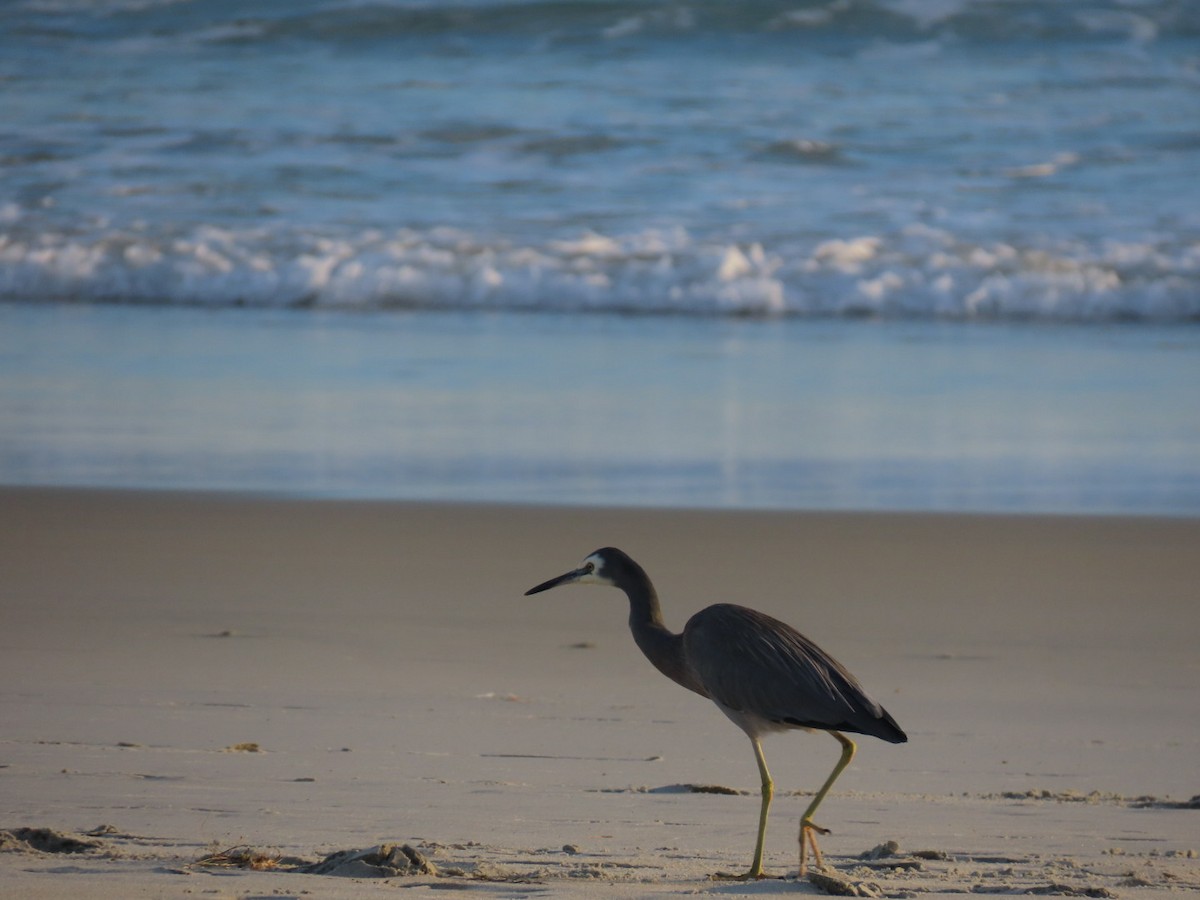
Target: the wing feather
(752, 663)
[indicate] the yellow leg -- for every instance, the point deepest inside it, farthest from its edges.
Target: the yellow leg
(809, 829)
(768, 791)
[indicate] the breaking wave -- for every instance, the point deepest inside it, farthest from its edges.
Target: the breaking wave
(919, 272)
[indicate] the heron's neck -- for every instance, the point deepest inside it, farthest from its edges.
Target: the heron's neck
(661, 646)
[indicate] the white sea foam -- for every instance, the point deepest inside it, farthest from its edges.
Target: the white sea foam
(919, 272)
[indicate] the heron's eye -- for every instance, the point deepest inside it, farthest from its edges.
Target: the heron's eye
(589, 567)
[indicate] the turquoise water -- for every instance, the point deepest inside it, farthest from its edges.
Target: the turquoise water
(604, 409)
(969, 159)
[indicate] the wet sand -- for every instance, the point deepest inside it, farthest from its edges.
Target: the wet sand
(225, 690)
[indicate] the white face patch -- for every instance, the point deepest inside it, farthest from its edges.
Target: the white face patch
(592, 571)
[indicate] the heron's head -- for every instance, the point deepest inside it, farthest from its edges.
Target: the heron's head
(602, 567)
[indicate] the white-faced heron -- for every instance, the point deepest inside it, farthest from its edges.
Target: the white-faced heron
(762, 673)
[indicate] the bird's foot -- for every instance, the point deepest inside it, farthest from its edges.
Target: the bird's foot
(810, 825)
(808, 838)
(752, 875)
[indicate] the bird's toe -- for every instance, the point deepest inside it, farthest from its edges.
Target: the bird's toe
(752, 875)
(810, 825)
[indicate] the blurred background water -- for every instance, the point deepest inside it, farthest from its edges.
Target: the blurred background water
(875, 254)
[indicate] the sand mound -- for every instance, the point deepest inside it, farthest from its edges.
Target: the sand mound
(384, 861)
(43, 840)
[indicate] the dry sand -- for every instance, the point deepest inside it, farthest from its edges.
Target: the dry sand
(215, 683)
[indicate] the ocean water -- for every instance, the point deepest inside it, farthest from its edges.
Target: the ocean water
(952, 158)
(871, 254)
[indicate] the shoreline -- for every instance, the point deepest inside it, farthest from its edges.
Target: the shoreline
(286, 496)
(399, 687)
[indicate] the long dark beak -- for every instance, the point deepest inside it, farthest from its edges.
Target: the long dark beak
(567, 578)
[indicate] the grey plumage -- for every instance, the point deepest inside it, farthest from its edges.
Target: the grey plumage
(750, 662)
(762, 673)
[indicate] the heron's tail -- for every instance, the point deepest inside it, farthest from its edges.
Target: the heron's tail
(887, 729)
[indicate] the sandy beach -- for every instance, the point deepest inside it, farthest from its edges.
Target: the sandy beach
(211, 693)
